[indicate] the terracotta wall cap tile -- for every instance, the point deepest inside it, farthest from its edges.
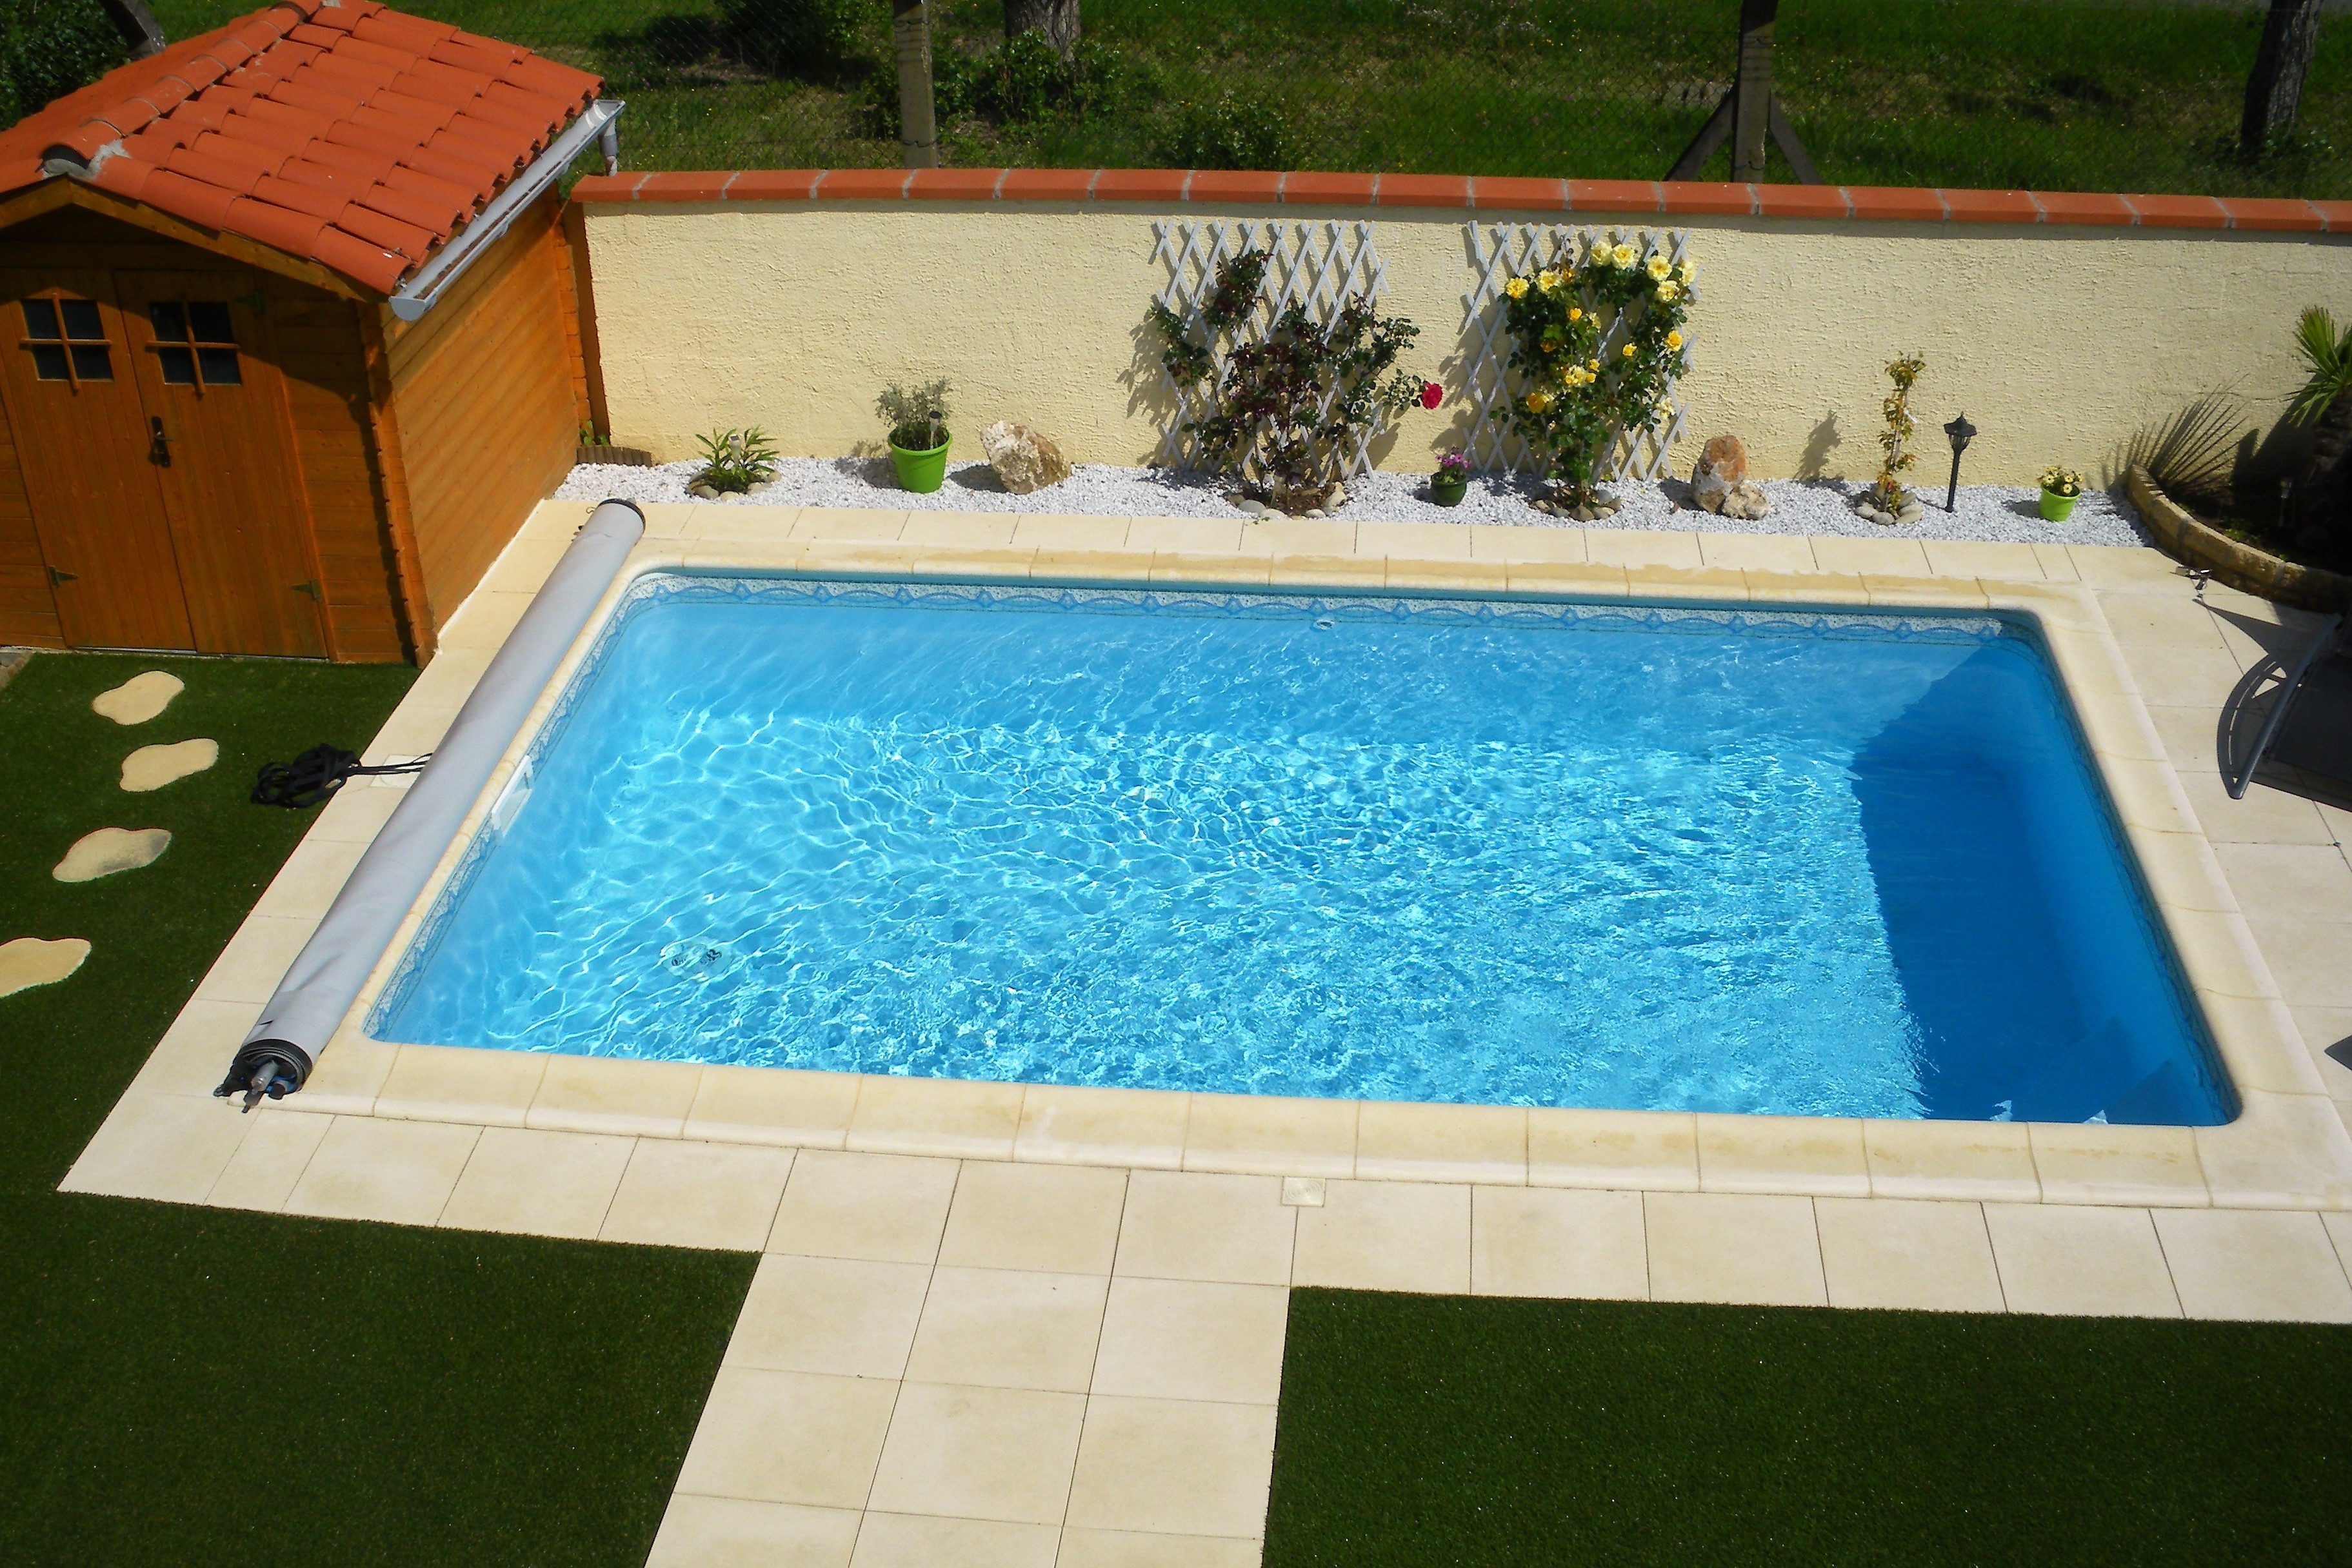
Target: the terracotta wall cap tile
(1423, 191)
(2288, 216)
(683, 187)
(1615, 197)
(2178, 211)
(954, 184)
(2082, 207)
(1140, 184)
(1510, 194)
(1802, 201)
(1897, 204)
(1233, 185)
(610, 188)
(1045, 184)
(1707, 197)
(1329, 190)
(759, 185)
(863, 184)
(1990, 206)
(2336, 217)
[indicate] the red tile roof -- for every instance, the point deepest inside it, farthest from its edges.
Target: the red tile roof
(335, 131)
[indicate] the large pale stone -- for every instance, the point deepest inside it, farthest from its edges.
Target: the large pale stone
(153, 766)
(1722, 464)
(111, 850)
(29, 961)
(138, 699)
(1024, 459)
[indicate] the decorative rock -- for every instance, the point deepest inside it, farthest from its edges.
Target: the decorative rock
(1255, 509)
(1585, 514)
(701, 491)
(1024, 459)
(138, 699)
(1316, 512)
(111, 850)
(29, 961)
(1743, 499)
(153, 766)
(1722, 464)
(1337, 499)
(1911, 513)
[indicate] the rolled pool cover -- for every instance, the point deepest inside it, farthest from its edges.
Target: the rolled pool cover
(325, 978)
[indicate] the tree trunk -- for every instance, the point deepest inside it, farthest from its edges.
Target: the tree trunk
(2324, 493)
(1058, 20)
(919, 136)
(2274, 88)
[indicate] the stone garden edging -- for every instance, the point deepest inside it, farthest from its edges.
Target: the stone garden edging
(2240, 566)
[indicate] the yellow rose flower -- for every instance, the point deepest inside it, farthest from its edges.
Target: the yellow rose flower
(1667, 290)
(1517, 288)
(1673, 340)
(1538, 401)
(1575, 314)
(1660, 267)
(1546, 279)
(1594, 363)
(1622, 255)
(1629, 350)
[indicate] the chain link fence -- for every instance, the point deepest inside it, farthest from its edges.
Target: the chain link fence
(2053, 94)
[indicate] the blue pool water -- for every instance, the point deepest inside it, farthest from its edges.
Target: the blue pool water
(1846, 864)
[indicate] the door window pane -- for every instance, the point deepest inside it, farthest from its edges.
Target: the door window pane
(179, 366)
(81, 319)
(219, 367)
(41, 319)
(170, 321)
(209, 323)
(92, 363)
(49, 362)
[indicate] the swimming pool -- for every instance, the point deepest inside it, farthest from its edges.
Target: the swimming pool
(1467, 851)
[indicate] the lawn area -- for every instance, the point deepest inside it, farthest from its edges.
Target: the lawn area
(1433, 1431)
(2114, 96)
(194, 1386)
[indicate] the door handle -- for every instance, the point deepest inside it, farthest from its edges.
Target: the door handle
(159, 450)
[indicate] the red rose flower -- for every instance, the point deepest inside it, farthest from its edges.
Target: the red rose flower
(1432, 394)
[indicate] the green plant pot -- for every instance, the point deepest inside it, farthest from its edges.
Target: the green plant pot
(2057, 508)
(1448, 492)
(921, 472)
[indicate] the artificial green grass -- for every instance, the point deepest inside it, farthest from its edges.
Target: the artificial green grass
(1437, 1431)
(191, 1387)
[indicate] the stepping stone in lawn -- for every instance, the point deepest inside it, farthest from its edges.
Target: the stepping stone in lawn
(29, 961)
(153, 766)
(111, 850)
(138, 699)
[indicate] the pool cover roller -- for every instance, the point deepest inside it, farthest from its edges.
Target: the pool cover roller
(326, 975)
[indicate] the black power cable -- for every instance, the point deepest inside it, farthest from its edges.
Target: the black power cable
(316, 774)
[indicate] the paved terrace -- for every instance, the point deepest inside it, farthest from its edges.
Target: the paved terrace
(1011, 1359)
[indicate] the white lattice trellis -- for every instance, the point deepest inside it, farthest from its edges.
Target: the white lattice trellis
(1321, 265)
(1508, 250)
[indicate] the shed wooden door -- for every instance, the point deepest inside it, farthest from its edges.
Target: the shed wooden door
(68, 376)
(212, 388)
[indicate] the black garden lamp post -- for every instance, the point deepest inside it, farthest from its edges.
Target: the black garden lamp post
(1962, 433)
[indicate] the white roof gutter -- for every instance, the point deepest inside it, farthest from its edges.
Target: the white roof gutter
(412, 299)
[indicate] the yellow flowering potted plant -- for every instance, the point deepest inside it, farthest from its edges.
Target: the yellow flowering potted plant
(1595, 347)
(2061, 488)
(918, 432)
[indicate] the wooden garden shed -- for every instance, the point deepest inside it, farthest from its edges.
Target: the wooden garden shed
(289, 335)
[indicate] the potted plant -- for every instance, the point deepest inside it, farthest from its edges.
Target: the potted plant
(1452, 480)
(2061, 488)
(918, 432)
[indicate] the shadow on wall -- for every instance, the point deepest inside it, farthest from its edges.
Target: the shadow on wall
(1814, 461)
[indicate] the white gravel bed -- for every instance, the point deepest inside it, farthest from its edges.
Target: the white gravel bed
(2000, 513)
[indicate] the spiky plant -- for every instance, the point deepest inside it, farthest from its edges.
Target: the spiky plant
(2321, 403)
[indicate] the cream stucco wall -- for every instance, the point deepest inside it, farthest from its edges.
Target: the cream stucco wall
(2058, 341)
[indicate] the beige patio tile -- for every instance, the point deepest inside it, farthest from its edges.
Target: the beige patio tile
(2259, 1038)
(1806, 588)
(1545, 1241)
(1909, 592)
(2339, 1232)
(256, 959)
(976, 530)
(349, 1075)
(1757, 552)
(2311, 963)
(1976, 557)
(846, 523)
(262, 1172)
(889, 1209)
(414, 729)
(1818, 1154)
(2149, 796)
(461, 1083)
(1639, 549)
(2085, 1262)
(768, 526)
(976, 562)
(1408, 1142)
(1061, 1219)
(842, 1316)
(1973, 1160)
(193, 1054)
(1008, 1327)
(1652, 1150)
(772, 1106)
(522, 567)
(1186, 1339)
(1414, 541)
(484, 618)
(1736, 1248)
(2117, 727)
(1173, 1467)
(2182, 869)
(2161, 621)
(1186, 535)
(615, 1094)
(358, 811)
(732, 1533)
(2277, 1268)
(1893, 1252)
(170, 1147)
(1872, 558)
(1300, 569)
(2130, 568)
(1704, 584)
(2264, 816)
(2286, 1151)
(2291, 882)
(1492, 541)
(1060, 534)
(537, 1184)
(308, 882)
(1268, 1135)
(1300, 537)
(1569, 579)
(2188, 734)
(835, 558)
(370, 1168)
(980, 1453)
(677, 1194)
(1386, 1236)
(2327, 1036)
(1188, 1224)
(1137, 1549)
(1448, 576)
(2221, 953)
(1077, 1125)
(944, 1116)
(789, 1436)
(2057, 565)
(2096, 1164)
(2182, 675)
(922, 1541)
(1180, 569)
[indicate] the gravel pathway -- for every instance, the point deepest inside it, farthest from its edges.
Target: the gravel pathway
(1995, 512)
